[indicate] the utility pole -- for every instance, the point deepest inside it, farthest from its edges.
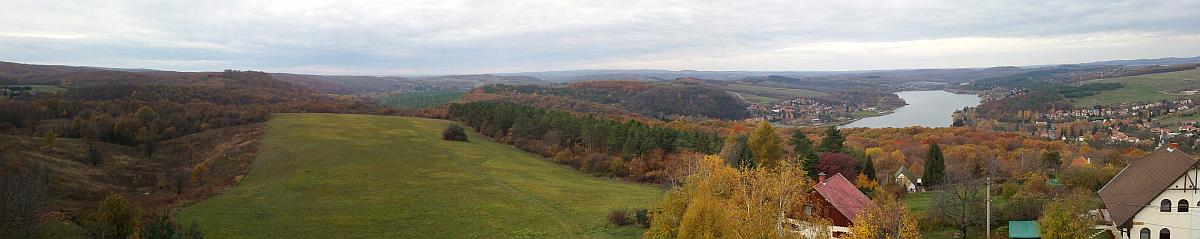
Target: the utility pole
(988, 208)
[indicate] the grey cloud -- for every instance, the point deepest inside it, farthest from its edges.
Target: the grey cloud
(412, 37)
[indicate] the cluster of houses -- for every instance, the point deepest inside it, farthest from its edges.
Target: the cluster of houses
(1151, 198)
(15, 90)
(803, 111)
(997, 93)
(1119, 111)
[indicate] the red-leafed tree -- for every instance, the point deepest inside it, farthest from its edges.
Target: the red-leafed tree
(834, 163)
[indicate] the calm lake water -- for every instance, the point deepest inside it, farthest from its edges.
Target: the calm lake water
(925, 108)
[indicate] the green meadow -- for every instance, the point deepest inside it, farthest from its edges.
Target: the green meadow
(361, 176)
(774, 91)
(419, 100)
(1141, 88)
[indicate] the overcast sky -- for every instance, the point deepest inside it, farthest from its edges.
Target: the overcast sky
(458, 37)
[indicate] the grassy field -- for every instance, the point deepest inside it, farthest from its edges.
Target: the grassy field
(418, 100)
(754, 98)
(920, 203)
(359, 176)
(39, 89)
(773, 91)
(1143, 88)
(1176, 119)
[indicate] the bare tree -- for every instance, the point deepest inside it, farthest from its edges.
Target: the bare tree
(961, 203)
(94, 154)
(23, 195)
(180, 180)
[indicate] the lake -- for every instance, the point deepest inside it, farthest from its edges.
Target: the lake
(925, 108)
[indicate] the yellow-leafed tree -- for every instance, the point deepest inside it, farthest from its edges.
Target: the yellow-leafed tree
(198, 173)
(888, 218)
(718, 201)
(1066, 219)
(765, 145)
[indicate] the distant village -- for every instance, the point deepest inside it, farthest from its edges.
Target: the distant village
(813, 112)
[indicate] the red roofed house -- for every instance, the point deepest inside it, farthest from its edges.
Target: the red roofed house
(1081, 161)
(838, 201)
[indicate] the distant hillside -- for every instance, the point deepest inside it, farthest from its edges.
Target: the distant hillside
(651, 75)
(1144, 88)
(1153, 61)
(659, 100)
(1051, 77)
(74, 76)
(384, 84)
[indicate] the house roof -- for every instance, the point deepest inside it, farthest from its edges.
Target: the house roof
(844, 197)
(904, 171)
(1023, 229)
(1080, 161)
(1142, 181)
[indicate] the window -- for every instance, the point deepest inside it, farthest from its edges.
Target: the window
(1165, 205)
(1145, 233)
(1183, 205)
(1164, 234)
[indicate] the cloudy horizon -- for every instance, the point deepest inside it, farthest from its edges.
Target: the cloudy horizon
(468, 37)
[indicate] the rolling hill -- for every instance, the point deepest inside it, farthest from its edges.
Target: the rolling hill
(1144, 88)
(360, 176)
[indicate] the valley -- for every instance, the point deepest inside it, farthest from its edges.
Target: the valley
(655, 119)
(237, 154)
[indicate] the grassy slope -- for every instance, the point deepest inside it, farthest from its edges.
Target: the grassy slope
(357, 176)
(418, 100)
(1143, 88)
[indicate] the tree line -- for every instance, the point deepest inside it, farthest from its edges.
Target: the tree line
(622, 147)
(133, 115)
(649, 99)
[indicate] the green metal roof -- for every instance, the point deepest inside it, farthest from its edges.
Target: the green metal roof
(1023, 229)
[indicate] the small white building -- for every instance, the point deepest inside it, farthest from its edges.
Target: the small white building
(1155, 197)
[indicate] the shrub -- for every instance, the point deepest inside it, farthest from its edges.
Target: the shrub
(642, 217)
(162, 227)
(454, 132)
(165, 227)
(618, 217)
(117, 218)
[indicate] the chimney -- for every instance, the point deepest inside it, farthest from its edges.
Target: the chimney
(821, 178)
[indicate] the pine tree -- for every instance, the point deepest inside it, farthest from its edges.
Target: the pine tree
(869, 168)
(802, 148)
(832, 142)
(738, 154)
(935, 166)
(1051, 159)
(801, 145)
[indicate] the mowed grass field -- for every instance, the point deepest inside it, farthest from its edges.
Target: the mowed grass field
(39, 89)
(360, 176)
(773, 92)
(420, 100)
(1143, 88)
